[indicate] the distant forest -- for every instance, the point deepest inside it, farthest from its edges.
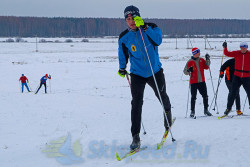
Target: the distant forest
(11, 26)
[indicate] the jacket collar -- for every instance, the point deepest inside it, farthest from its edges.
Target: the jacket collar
(193, 58)
(133, 30)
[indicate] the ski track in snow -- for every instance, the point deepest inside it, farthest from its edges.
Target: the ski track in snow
(91, 102)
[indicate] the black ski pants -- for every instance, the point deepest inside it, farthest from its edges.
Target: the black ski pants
(237, 82)
(237, 98)
(202, 87)
(137, 90)
(41, 84)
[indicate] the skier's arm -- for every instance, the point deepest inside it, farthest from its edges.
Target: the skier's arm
(185, 71)
(154, 34)
(230, 54)
(123, 55)
(225, 65)
(206, 63)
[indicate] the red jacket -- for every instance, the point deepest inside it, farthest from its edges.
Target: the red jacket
(199, 65)
(23, 79)
(242, 62)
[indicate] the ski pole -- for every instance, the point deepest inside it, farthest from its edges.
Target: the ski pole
(29, 87)
(215, 96)
(216, 93)
(156, 84)
(244, 104)
(213, 89)
(218, 85)
(37, 88)
(128, 80)
(141, 120)
(49, 86)
(188, 99)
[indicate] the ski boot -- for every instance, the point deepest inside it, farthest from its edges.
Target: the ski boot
(207, 113)
(192, 114)
(227, 112)
(239, 112)
(136, 143)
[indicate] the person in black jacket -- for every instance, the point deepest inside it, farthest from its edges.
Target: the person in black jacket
(228, 66)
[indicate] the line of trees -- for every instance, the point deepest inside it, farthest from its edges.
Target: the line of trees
(11, 26)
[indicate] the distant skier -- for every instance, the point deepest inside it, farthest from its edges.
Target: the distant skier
(229, 67)
(195, 68)
(241, 73)
(24, 80)
(43, 82)
(131, 47)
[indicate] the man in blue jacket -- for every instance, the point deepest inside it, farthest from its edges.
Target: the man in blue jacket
(131, 47)
(43, 82)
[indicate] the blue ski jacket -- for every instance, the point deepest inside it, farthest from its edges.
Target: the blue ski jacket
(44, 79)
(131, 47)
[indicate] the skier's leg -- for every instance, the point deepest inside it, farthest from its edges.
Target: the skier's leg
(39, 87)
(194, 88)
(22, 87)
(237, 99)
(26, 86)
(160, 79)
(137, 90)
(203, 91)
(235, 89)
(202, 87)
(45, 87)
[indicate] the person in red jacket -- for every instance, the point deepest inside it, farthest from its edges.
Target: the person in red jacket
(23, 80)
(241, 73)
(195, 68)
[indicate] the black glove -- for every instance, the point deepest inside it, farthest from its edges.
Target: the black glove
(224, 44)
(145, 27)
(207, 57)
(190, 69)
(221, 74)
(122, 73)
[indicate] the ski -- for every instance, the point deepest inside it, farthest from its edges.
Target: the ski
(243, 115)
(231, 116)
(223, 116)
(132, 152)
(203, 116)
(164, 138)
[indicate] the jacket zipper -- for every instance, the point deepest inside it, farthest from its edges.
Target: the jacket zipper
(142, 53)
(243, 65)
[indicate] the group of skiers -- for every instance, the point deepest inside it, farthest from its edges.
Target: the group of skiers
(24, 82)
(139, 44)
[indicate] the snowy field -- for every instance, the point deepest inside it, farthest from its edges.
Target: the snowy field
(85, 117)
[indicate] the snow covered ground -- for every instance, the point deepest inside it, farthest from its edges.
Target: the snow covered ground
(85, 118)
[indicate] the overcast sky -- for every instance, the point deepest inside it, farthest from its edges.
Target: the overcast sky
(177, 9)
